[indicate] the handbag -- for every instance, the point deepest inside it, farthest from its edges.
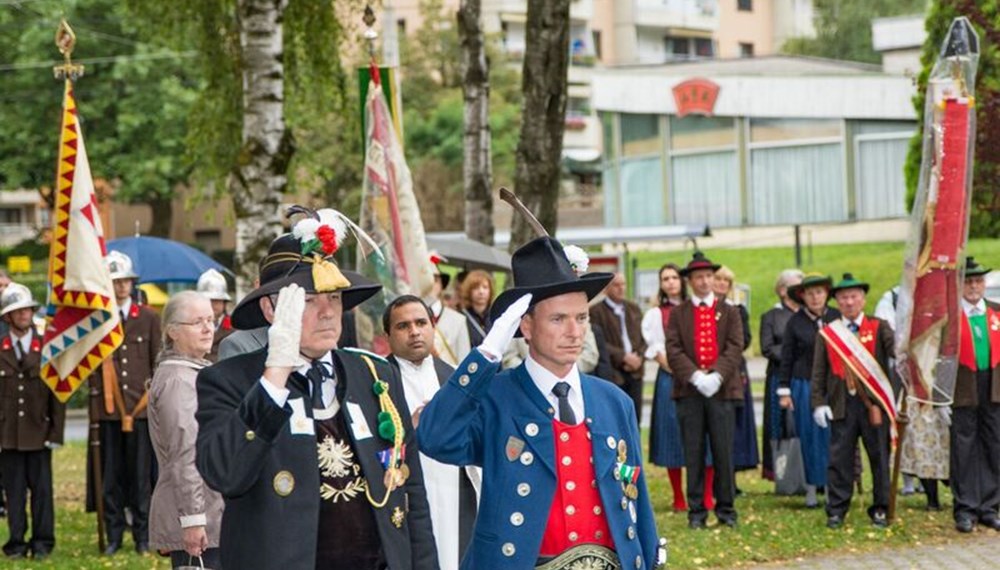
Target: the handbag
(190, 565)
(789, 467)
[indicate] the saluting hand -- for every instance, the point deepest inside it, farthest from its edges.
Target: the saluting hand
(284, 335)
(505, 327)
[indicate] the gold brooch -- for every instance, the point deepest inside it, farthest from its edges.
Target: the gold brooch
(284, 483)
(397, 517)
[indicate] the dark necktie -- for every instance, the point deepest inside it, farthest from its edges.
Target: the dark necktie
(18, 351)
(318, 372)
(566, 415)
(853, 326)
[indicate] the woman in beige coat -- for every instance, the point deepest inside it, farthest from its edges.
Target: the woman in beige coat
(184, 514)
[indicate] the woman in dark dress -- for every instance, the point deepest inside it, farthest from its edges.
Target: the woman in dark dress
(772, 331)
(794, 390)
(746, 455)
(665, 445)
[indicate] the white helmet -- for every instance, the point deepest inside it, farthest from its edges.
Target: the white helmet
(16, 296)
(120, 265)
(213, 285)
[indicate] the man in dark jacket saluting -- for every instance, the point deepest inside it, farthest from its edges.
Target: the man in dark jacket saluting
(311, 447)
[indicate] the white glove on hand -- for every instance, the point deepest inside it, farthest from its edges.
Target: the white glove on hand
(52, 446)
(504, 329)
(945, 413)
(822, 416)
(285, 332)
(714, 380)
(698, 380)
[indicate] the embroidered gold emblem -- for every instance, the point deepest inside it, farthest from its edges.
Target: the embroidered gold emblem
(335, 457)
(284, 483)
(337, 460)
(397, 517)
(330, 493)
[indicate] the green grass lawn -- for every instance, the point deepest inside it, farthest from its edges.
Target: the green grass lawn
(76, 530)
(771, 528)
(879, 264)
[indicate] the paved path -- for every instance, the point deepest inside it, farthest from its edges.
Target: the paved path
(981, 552)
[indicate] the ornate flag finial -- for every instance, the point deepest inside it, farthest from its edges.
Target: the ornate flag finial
(65, 42)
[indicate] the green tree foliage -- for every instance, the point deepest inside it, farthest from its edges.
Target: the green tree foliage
(985, 18)
(133, 101)
(321, 98)
(432, 116)
(843, 28)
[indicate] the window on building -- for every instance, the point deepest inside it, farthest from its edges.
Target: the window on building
(744, 5)
(703, 47)
(209, 240)
(746, 49)
(401, 27)
(640, 134)
(694, 132)
(10, 216)
(677, 48)
(596, 37)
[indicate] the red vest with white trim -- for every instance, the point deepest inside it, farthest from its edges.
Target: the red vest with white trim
(867, 333)
(577, 514)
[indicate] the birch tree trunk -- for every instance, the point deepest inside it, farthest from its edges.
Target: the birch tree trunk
(477, 169)
(543, 116)
(259, 180)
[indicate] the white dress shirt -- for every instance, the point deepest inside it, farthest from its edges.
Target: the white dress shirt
(974, 310)
(420, 381)
(280, 395)
(124, 308)
(706, 300)
(545, 381)
(23, 343)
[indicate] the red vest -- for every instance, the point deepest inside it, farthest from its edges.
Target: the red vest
(867, 333)
(665, 315)
(577, 514)
(706, 337)
(967, 349)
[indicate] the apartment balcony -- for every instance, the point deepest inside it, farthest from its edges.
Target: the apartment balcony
(582, 137)
(579, 10)
(693, 15)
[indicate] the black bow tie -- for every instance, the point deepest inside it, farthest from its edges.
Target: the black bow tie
(317, 373)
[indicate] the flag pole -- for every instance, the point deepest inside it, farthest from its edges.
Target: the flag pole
(69, 72)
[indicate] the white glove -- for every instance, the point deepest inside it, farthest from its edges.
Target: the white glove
(698, 380)
(822, 416)
(52, 446)
(714, 383)
(945, 413)
(285, 332)
(504, 328)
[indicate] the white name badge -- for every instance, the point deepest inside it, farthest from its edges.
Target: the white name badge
(300, 423)
(359, 427)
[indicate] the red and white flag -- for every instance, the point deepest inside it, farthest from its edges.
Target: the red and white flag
(83, 327)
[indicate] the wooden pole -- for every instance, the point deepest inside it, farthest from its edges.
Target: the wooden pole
(902, 420)
(94, 446)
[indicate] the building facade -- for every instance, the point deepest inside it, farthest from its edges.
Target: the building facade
(768, 141)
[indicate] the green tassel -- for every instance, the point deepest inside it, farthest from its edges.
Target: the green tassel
(379, 388)
(386, 430)
(384, 417)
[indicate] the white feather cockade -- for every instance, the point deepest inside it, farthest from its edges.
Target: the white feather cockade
(578, 259)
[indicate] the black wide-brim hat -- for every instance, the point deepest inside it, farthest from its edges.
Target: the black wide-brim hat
(849, 282)
(973, 269)
(285, 265)
(809, 280)
(699, 261)
(540, 267)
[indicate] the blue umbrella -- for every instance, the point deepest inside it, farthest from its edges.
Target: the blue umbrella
(158, 260)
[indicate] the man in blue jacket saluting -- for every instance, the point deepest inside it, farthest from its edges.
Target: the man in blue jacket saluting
(560, 451)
